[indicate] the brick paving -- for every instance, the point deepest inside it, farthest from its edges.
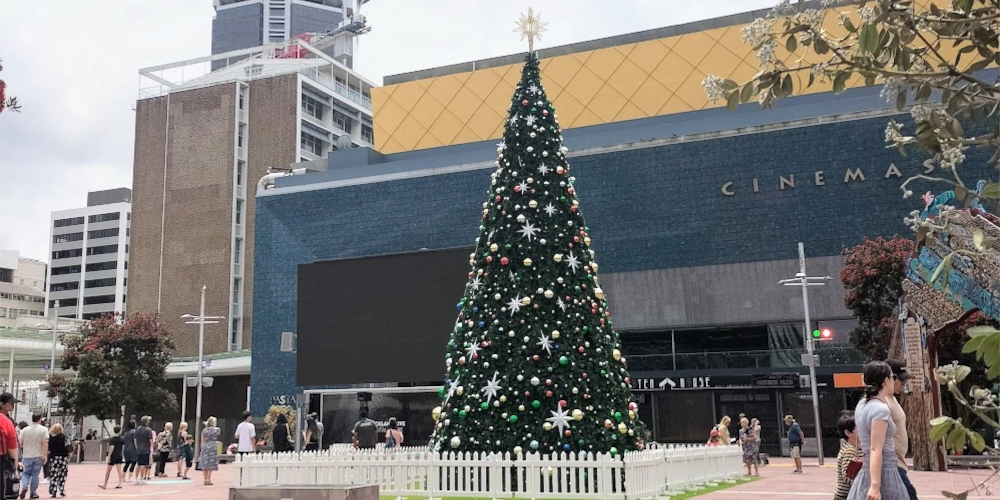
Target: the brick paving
(777, 483)
(84, 479)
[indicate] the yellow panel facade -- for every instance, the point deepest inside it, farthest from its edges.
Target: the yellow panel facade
(611, 84)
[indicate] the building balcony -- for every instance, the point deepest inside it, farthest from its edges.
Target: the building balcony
(338, 88)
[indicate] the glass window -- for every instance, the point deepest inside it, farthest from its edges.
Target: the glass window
(66, 238)
(102, 233)
(104, 217)
(98, 283)
(237, 250)
(72, 221)
(239, 172)
(236, 290)
(367, 134)
(239, 211)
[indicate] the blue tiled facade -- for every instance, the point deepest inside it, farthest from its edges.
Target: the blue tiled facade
(647, 208)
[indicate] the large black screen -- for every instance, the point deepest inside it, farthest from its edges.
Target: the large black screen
(378, 319)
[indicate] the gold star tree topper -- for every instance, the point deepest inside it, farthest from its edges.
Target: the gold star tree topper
(531, 27)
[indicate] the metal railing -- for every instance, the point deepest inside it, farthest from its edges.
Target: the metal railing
(341, 89)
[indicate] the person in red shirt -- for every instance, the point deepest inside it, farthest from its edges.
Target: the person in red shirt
(8, 444)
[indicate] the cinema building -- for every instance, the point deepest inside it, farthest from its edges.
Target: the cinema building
(695, 215)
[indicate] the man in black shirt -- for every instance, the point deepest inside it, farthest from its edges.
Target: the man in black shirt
(143, 445)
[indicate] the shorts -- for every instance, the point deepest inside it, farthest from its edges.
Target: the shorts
(115, 461)
(796, 450)
(143, 459)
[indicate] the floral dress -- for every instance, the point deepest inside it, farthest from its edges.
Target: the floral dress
(209, 459)
(747, 442)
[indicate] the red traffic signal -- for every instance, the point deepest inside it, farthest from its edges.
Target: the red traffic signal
(824, 333)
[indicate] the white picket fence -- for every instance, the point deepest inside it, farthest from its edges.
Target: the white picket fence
(418, 472)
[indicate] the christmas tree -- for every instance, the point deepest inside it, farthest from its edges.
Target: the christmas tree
(533, 363)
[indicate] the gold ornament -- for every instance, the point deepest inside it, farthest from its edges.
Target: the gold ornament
(557, 257)
(599, 294)
(555, 334)
(577, 415)
(558, 280)
(517, 450)
(586, 240)
(436, 413)
(494, 247)
(527, 262)
(520, 408)
(525, 301)
(617, 354)
(547, 426)
(503, 399)
(459, 390)
(549, 294)
(594, 266)
(631, 415)
(532, 203)
(622, 428)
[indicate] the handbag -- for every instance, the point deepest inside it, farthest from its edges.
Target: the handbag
(853, 468)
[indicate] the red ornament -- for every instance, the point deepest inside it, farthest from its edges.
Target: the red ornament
(576, 239)
(548, 381)
(535, 357)
(585, 375)
(504, 261)
(627, 380)
(570, 191)
(580, 349)
(560, 170)
(568, 433)
(489, 258)
(497, 198)
(571, 209)
(548, 394)
(545, 112)
(524, 102)
(562, 403)
(632, 406)
(517, 189)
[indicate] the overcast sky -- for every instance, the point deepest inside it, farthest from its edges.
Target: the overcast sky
(74, 67)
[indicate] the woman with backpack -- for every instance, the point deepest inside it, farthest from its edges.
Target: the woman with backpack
(281, 436)
(311, 434)
(393, 436)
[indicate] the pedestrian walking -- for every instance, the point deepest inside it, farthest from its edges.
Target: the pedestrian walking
(35, 452)
(116, 456)
(850, 452)
(164, 443)
(59, 447)
(129, 452)
(182, 435)
(900, 439)
(795, 439)
(747, 439)
(879, 477)
(143, 447)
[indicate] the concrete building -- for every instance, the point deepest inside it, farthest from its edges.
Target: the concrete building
(201, 147)
(22, 288)
(88, 273)
(246, 24)
(695, 215)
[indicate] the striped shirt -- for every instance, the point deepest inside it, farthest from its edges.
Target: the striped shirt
(848, 452)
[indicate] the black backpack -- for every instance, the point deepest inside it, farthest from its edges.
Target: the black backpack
(367, 433)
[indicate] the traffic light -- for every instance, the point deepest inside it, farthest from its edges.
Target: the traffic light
(824, 333)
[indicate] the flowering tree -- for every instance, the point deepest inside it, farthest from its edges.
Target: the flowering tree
(873, 276)
(7, 102)
(121, 361)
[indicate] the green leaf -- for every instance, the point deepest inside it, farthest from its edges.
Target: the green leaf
(977, 441)
(963, 6)
(730, 85)
(944, 266)
(939, 432)
(820, 46)
(956, 438)
(961, 372)
(786, 86)
(840, 82)
(732, 101)
(973, 344)
(955, 496)
(941, 420)
(749, 90)
(979, 331)
(849, 25)
(991, 191)
(901, 99)
(871, 39)
(792, 43)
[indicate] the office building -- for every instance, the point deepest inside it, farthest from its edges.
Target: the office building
(695, 215)
(201, 147)
(88, 270)
(245, 24)
(22, 288)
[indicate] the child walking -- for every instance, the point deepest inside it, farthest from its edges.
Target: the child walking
(187, 452)
(115, 458)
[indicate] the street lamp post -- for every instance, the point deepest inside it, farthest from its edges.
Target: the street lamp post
(52, 358)
(201, 320)
(804, 281)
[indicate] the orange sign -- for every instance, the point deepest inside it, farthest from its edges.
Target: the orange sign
(848, 380)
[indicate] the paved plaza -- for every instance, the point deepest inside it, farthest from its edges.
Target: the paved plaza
(777, 483)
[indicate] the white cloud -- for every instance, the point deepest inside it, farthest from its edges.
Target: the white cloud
(74, 67)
